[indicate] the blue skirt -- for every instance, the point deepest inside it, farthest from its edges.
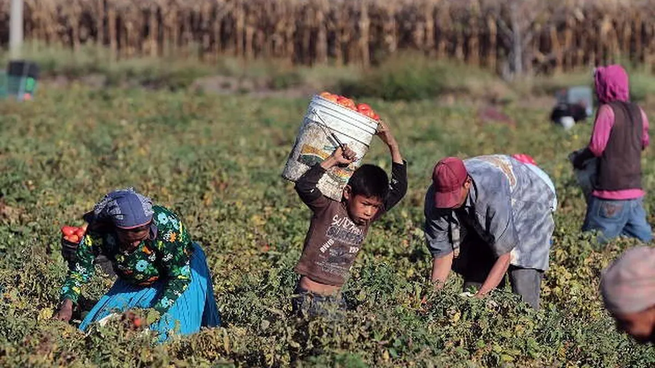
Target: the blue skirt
(196, 307)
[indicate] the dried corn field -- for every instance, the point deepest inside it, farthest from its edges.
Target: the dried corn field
(514, 35)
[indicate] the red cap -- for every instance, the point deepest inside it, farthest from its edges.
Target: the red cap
(448, 178)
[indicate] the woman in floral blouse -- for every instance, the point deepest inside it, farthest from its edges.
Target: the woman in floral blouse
(157, 264)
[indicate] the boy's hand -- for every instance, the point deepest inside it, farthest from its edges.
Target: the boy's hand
(340, 156)
(385, 134)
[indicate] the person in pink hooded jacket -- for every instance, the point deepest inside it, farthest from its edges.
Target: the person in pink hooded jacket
(619, 136)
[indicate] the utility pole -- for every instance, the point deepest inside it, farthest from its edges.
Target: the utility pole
(16, 29)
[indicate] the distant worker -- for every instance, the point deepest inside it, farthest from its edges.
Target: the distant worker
(619, 135)
(568, 114)
(573, 105)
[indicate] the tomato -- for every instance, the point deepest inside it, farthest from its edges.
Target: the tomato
(68, 230)
(332, 98)
(79, 232)
(369, 113)
(363, 107)
(376, 117)
(73, 238)
(329, 96)
(346, 102)
(137, 322)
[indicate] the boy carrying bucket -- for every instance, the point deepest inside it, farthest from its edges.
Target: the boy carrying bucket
(338, 229)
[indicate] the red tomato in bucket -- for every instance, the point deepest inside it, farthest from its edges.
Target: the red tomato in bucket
(362, 107)
(329, 96)
(346, 102)
(370, 113)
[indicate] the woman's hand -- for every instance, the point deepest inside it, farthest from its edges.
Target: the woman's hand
(65, 312)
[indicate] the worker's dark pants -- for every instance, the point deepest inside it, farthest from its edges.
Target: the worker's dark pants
(476, 260)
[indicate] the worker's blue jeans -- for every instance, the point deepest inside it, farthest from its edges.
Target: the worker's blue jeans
(617, 217)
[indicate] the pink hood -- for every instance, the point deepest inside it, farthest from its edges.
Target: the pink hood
(612, 84)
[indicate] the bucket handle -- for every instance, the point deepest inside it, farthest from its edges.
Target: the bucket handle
(324, 126)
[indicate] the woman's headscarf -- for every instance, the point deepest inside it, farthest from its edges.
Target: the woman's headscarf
(124, 208)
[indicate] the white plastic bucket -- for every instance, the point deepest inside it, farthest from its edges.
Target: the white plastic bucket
(314, 143)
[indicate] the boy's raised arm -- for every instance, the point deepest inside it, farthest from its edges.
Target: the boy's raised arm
(385, 135)
(306, 185)
(398, 184)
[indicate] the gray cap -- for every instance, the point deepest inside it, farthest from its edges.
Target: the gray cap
(628, 284)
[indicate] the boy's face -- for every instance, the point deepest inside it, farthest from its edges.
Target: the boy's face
(361, 209)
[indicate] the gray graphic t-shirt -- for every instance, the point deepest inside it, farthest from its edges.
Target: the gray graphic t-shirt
(334, 240)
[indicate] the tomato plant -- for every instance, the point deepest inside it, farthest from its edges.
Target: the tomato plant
(216, 160)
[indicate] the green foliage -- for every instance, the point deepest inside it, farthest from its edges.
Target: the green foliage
(216, 160)
(399, 79)
(285, 80)
(413, 76)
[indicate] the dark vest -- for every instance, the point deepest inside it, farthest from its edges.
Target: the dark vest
(619, 167)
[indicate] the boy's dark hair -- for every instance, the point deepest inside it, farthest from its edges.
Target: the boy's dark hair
(369, 181)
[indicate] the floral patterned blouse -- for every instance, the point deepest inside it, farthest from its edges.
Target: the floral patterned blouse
(165, 255)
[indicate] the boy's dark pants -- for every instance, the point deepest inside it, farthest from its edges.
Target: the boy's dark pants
(476, 260)
(310, 305)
